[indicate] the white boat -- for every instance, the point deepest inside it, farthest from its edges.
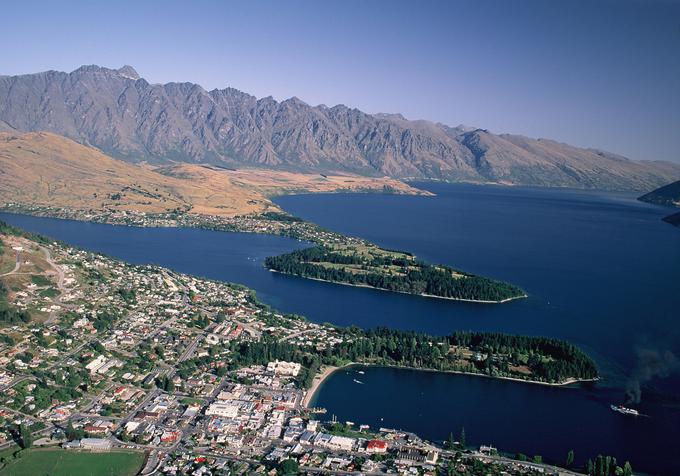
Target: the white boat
(358, 381)
(624, 410)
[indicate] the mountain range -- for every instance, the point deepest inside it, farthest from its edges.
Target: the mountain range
(126, 117)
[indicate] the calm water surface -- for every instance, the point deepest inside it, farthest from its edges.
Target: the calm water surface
(601, 269)
(515, 417)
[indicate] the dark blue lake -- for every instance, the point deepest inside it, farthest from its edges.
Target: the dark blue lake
(514, 417)
(601, 269)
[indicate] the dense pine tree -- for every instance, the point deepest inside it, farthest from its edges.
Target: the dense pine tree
(553, 360)
(416, 277)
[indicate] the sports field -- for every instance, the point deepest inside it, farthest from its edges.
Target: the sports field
(58, 462)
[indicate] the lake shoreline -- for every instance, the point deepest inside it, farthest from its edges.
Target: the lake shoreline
(476, 301)
(573, 295)
(179, 225)
(321, 377)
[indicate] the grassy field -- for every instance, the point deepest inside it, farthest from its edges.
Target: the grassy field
(7, 261)
(40, 280)
(367, 252)
(58, 462)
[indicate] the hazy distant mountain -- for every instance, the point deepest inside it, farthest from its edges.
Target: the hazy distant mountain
(129, 118)
(668, 195)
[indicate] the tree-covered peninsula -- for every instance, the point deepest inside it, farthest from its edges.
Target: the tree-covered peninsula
(369, 265)
(534, 359)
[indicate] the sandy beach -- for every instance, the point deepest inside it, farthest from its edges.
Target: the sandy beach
(318, 380)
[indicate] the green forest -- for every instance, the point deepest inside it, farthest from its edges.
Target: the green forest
(391, 271)
(495, 354)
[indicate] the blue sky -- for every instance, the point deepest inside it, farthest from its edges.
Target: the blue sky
(592, 73)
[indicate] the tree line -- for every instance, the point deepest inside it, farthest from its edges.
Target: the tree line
(549, 360)
(607, 466)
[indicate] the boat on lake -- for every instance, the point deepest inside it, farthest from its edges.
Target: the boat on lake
(624, 410)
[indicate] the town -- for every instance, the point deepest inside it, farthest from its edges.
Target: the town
(270, 223)
(101, 356)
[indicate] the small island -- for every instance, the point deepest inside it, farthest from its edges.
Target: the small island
(367, 265)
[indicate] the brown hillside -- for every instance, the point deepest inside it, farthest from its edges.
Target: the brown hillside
(45, 169)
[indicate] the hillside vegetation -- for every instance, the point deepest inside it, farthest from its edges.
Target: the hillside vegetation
(44, 169)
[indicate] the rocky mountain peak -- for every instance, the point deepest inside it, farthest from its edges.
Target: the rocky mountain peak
(181, 122)
(129, 72)
(126, 71)
(389, 115)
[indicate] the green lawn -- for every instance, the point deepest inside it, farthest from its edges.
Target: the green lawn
(49, 292)
(58, 462)
(40, 280)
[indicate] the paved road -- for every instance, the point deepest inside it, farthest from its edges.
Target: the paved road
(153, 462)
(60, 283)
(56, 267)
(536, 466)
(191, 348)
(17, 380)
(150, 396)
(17, 265)
(292, 336)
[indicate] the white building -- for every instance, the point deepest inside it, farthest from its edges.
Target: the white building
(341, 443)
(95, 444)
(284, 368)
(222, 409)
(312, 425)
(96, 364)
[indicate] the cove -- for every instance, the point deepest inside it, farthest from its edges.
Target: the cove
(514, 417)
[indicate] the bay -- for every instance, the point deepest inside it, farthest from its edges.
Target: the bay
(601, 270)
(514, 417)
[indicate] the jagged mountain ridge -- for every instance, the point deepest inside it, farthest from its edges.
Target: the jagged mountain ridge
(126, 117)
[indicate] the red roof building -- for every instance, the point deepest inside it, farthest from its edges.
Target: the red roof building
(376, 446)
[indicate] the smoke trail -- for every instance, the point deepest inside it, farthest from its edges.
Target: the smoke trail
(650, 363)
